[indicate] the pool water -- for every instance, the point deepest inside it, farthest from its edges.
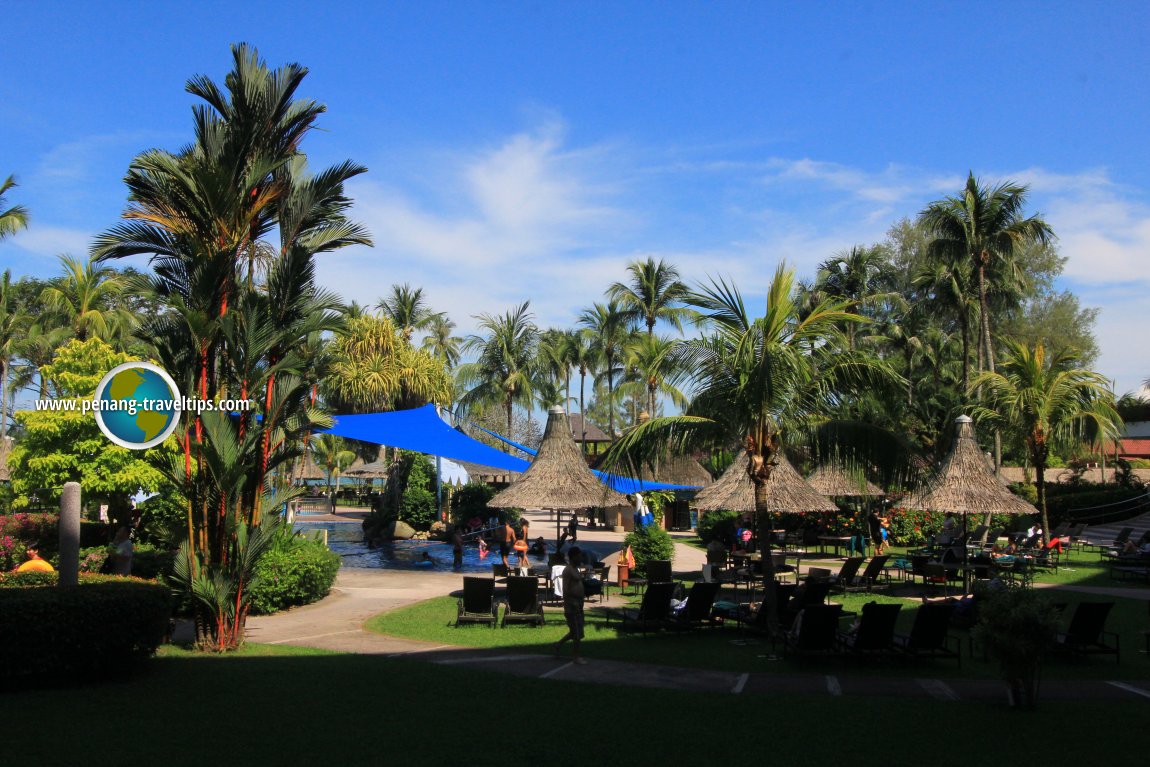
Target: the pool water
(347, 541)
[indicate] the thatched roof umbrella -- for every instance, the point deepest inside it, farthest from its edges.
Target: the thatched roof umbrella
(558, 477)
(373, 470)
(787, 491)
(966, 484)
(833, 481)
(678, 470)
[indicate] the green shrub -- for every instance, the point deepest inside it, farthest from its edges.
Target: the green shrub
(163, 520)
(41, 530)
(648, 544)
(297, 572)
(418, 507)
(471, 501)
(101, 628)
(717, 525)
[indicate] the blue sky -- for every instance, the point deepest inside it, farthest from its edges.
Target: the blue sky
(531, 150)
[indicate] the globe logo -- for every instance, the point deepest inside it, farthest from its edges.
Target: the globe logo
(137, 405)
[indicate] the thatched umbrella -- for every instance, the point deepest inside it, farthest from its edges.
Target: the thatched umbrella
(787, 491)
(678, 470)
(966, 484)
(558, 477)
(373, 470)
(833, 481)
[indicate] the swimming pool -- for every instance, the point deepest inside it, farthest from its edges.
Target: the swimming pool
(347, 540)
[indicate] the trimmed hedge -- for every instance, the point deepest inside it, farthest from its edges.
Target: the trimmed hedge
(648, 544)
(101, 628)
(297, 575)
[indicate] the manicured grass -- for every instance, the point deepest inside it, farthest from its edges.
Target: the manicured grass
(265, 707)
(729, 650)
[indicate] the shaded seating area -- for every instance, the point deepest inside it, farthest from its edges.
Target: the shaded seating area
(478, 603)
(698, 610)
(652, 612)
(814, 632)
(929, 635)
(874, 632)
(1086, 633)
(522, 601)
(870, 575)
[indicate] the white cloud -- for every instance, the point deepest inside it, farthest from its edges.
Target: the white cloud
(50, 241)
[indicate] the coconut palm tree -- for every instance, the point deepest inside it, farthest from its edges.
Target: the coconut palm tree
(11, 322)
(1045, 400)
(655, 367)
(407, 309)
(610, 332)
(331, 454)
(654, 293)
(984, 225)
(859, 278)
(583, 359)
(440, 343)
(12, 219)
(506, 366)
(553, 363)
(86, 299)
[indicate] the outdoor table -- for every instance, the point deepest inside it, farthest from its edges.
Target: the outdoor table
(838, 541)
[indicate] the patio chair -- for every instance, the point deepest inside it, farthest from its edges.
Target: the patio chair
(500, 572)
(523, 605)
(478, 603)
(653, 610)
(755, 621)
(870, 575)
(814, 632)
(1086, 634)
(846, 574)
(1117, 544)
(809, 594)
(697, 612)
(935, 574)
(603, 574)
(992, 538)
(929, 636)
(659, 571)
(875, 632)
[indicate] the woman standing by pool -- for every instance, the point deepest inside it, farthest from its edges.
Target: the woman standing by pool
(521, 544)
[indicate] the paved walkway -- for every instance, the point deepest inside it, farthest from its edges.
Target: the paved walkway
(336, 623)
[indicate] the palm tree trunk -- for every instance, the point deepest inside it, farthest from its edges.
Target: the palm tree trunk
(610, 399)
(763, 521)
(964, 321)
(506, 447)
(1040, 486)
(4, 398)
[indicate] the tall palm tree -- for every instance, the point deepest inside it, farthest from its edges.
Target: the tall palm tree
(655, 366)
(1045, 401)
(505, 367)
(12, 219)
(553, 362)
(331, 454)
(654, 293)
(86, 298)
(440, 343)
(858, 277)
(583, 359)
(946, 283)
(610, 331)
(11, 322)
(753, 380)
(407, 309)
(985, 225)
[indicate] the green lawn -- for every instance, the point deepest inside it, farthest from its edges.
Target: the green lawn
(278, 706)
(729, 650)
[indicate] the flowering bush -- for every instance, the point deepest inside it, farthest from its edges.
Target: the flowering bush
(12, 551)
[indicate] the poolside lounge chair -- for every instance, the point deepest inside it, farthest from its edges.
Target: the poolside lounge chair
(478, 603)
(929, 635)
(875, 632)
(814, 633)
(697, 611)
(653, 610)
(523, 605)
(1086, 634)
(846, 574)
(755, 621)
(809, 594)
(870, 575)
